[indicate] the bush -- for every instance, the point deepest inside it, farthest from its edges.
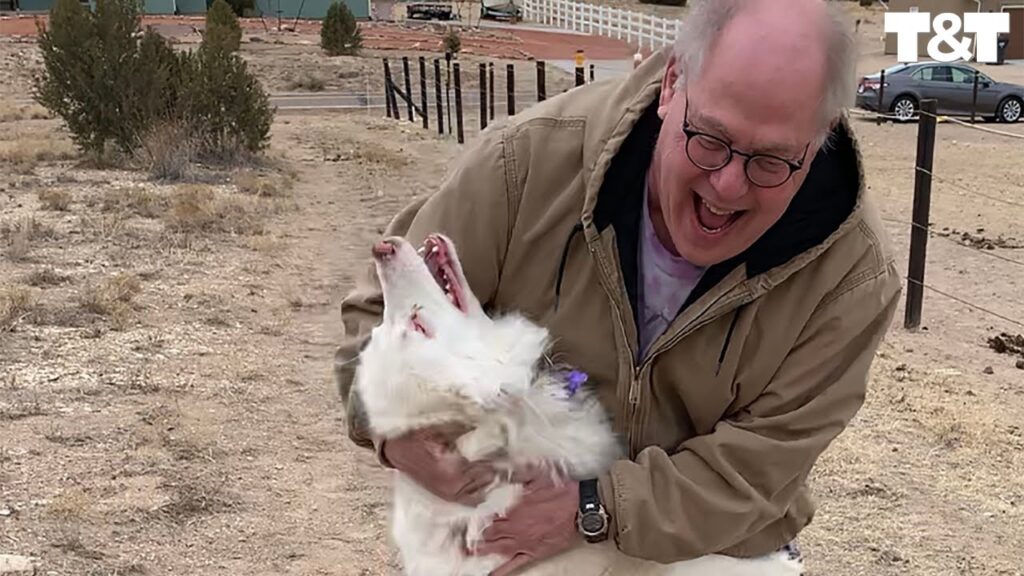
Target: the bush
(452, 41)
(340, 33)
(665, 2)
(222, 28)
(112, 85)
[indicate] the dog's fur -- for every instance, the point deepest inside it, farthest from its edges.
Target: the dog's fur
(430, 363)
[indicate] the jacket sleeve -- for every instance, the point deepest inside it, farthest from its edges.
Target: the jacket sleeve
(471, 207)
(721, 489)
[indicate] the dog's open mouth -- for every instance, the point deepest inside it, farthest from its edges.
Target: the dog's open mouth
(438, 259)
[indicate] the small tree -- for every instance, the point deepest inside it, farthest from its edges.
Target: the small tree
(340, 34)
(452, 41)
(112, 83)
(222, 28)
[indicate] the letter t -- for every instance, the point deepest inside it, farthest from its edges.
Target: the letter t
(907, 25)
(986, 27)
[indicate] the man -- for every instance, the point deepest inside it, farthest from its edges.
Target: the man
(697, 238)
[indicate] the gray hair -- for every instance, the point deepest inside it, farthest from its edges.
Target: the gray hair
(706, 19)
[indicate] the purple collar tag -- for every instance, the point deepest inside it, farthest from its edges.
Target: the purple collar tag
(574, 380)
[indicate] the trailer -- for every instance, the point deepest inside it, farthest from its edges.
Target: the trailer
(501, 10)
(430, 11)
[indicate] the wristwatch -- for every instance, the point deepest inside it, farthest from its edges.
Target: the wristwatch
(591, 518)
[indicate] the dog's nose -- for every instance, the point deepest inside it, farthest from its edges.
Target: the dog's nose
(384, 249)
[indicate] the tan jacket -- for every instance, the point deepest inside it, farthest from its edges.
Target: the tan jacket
(763, 368)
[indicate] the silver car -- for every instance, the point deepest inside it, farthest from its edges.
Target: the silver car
(952, 85)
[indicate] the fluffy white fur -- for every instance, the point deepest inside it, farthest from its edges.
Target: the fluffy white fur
(489, 374)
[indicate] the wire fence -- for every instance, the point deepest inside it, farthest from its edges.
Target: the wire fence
(922, 229)
(485, 100)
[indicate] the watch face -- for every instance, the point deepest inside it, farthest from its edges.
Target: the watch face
(592, 522)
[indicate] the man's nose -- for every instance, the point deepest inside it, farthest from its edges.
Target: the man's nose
(730, 182)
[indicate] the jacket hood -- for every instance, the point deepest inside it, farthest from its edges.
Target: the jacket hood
(618, 147)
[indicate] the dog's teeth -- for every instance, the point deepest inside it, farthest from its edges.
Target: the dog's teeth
(421, 250)
(435, 250)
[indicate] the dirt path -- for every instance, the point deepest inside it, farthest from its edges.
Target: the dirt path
(167, 404)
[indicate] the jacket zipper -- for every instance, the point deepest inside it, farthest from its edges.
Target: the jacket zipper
(633, 395)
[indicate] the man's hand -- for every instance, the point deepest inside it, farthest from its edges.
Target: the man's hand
(430, 458)
(541, 525)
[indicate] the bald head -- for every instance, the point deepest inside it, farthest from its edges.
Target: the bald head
(797, 50)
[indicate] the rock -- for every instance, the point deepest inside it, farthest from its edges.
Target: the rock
(988, 370)
(11, 565)
(1020, 364)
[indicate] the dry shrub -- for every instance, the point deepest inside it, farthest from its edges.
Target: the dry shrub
(20, 236)
(196, 493)
(111, 298)
(55, 199)
(46, 277)
(307, 81)
(16, 303)
(261, 185)
(197, 208)
(167, 151)
(138, 201)
(105, 226)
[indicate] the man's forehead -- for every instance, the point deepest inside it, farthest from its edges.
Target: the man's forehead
(783, 135)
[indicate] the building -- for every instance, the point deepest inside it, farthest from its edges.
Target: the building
(310, 9)
(1014, 50)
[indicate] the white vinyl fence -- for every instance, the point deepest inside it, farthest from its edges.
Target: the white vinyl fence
(636, 28)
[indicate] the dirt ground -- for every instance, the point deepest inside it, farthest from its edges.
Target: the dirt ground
(166, 402)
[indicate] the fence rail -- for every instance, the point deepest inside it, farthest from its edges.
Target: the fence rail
(636, 28)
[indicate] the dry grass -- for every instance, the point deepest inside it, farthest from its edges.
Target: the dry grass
(197, 208)
(262, 185)
(25, 154)
(139, 201)
(366, 152)
(10, 112)
(111, 298)
(55, 199)
(48, 276)
(16, 304)
(196, 494)
(167, 152)
(307, 81)
(22, 233)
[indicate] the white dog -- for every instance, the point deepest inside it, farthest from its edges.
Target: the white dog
(437, 358)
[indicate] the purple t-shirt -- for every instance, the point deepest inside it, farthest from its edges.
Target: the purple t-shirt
(666, 280)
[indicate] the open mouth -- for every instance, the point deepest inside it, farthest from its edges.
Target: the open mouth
(712, 219)
(435, 254)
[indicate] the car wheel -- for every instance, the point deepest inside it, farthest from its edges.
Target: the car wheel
(1010, 110)
(904, 107)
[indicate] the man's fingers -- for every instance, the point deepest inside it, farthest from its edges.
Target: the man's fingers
(500, 546)
(518, 561)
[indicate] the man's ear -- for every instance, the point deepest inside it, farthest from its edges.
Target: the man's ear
(668, 87)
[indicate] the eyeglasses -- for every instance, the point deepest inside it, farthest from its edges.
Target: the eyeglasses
(711, 153)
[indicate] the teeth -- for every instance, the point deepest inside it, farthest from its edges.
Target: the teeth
(716, 211)
(435, 250)
(421, 250)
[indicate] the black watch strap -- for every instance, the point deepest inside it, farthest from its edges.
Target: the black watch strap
(592, 519)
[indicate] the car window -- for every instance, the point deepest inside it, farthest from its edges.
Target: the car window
(926, 73)
(942, 74)
(962, 76)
